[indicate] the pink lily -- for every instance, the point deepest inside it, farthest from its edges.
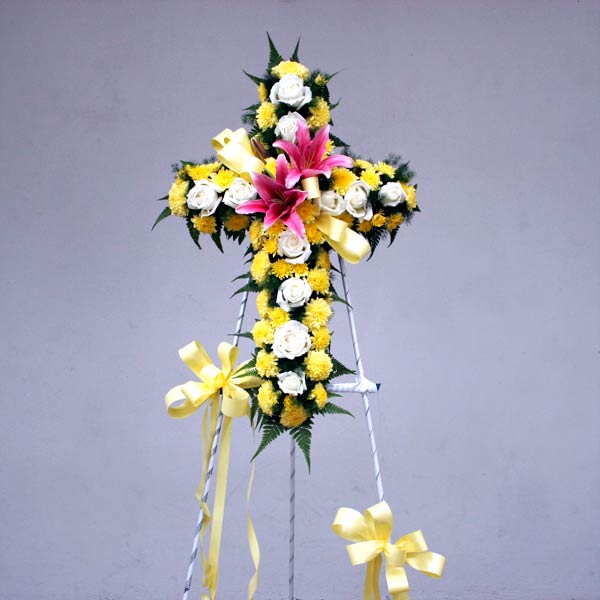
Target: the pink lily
(308, 156)
(277, 201)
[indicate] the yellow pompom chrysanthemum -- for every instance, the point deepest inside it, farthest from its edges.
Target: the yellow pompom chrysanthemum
(282, 269)
(267, 397)
(293, 414)
(223, 177)
(318, 365)
(206, 225)
(371, 178)
(270, 245)
(341, 179)
(362, 164)
(317, 313)
(279, 316)
(300, 270)
(255, 233)
(308, 211)
(197, 172)
(262, 92)
(319, 114)
(321, 338)
(318, 279)
(260, 266)
(235, 222)
(266, 364)
(323, 259)
(320, 80)
(378, 220)
(411, 196)
(313, 234)
(262, 332)
(262, 303)
(265, 116)
(365, 226)
(385, 169)
(394, 221)
(319, 395)
(290, 67)
(178, 199)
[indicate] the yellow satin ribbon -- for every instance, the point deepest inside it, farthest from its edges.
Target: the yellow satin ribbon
(371, 533)
(230, 384)
(235, 151)
(351, 246)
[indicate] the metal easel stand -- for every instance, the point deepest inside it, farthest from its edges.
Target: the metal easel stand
(361, 385)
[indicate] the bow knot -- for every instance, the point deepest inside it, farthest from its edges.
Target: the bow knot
(183, 400)
(234, 149)
(371, 534)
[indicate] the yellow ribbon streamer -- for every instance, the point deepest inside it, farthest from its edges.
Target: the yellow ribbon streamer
(371, 533)
(351, 246)
(230, 384)
(235, 151)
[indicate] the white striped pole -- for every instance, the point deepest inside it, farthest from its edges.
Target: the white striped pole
(211, 462)
(361, 377)
(292, 514)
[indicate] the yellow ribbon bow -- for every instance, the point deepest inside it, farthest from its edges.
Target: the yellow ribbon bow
(230, 383)
(371, 534)
(350, 245)
(235, 151)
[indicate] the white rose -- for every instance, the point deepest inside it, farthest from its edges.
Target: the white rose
(392, 193)
(288, 125)
(295, 249)
(291, 340)
(357, 201)
(331, 203)
(293, 292)
(291, 382)
(291, 90)
(239, 191)
(204, 196)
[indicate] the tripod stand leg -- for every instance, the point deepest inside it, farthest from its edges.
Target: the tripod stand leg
(209, 473)
(360, 372)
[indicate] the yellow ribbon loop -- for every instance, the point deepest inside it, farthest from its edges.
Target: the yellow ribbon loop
(311, 186)
(230, 383)
(235, 151)
(351, 246)
(371, 535)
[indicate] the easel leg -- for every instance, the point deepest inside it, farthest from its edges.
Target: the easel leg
(292, 514)
(360, 372)
(209, 472)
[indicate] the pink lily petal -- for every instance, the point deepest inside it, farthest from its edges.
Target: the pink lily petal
(294, 222)
(281, 169)
(266, 186)
(252, 206)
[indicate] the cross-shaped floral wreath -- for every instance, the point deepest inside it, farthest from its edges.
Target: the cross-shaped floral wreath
(297, 192)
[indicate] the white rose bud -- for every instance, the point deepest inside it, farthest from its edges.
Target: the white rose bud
(392, 194)
(291, 382)
(288, 125)
(291, 340)
(293, 292)
(357, 201)
(291, 90)
(294, 249)
(239, 191)
(331, 203)
(204, 196)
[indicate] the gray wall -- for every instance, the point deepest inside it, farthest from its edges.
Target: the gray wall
(488, 430)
